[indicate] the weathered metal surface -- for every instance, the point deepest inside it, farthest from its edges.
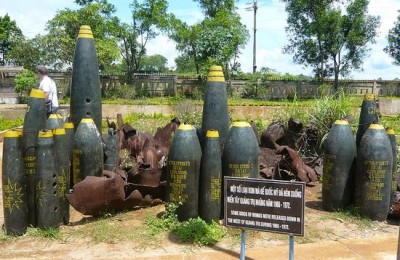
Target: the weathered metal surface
(63, 160)
(87, 155)
(374, 174)
(215, 107)
(14, 185)
(85, 90)
(47, 199)
(368, 115)
(183, 170)
(293, 163)
(210, 183)
(96, 195)
(340, 153)
(35, 119)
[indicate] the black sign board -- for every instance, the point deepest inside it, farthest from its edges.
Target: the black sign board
(266, 205)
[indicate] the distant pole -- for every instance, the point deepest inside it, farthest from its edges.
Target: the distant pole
(255, 7)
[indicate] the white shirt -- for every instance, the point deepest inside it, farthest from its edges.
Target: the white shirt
(49, 86)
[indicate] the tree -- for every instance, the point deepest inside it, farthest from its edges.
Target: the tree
(154, 63)
(146, 18)
(25, 81)
(216, 40)
(330, 36)
(64, 28)
(393, 47)
(212, 7)
(29, 53)
(185, 64)
(9, 34)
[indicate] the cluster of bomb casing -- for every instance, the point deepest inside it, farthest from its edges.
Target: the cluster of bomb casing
(360, 172)
(37, 161)
(198, 160)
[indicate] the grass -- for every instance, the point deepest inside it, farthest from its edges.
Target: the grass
(51, 233)
(9, 124)
(350, 215)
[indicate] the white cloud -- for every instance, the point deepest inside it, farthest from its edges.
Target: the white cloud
(31, 16)
(164, 46)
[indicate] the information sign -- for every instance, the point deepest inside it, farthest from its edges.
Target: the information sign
(266, 205)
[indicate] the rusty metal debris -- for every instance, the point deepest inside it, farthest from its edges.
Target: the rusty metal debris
(137, 181)
(139, 178)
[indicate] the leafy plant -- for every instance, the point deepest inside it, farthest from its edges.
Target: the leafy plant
(194, 230)
(9, 124)
(167, 221)
(25, 81)
(197, 231)
(188, 112)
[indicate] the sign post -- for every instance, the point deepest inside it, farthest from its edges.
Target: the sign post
(265, 205)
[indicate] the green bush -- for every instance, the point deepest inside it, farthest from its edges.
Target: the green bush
(9, 124)
(25, 81)
(189, 112)
(194, 230)
(198, 232)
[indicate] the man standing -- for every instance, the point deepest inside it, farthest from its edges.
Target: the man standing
(49, 87)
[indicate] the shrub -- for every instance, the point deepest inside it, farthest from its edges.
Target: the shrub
(25, 81)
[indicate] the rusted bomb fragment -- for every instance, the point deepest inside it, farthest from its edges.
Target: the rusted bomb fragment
(109, 193)
(111, 151)
(151, 177)
(97, 194)
(162, 137)
(296, 165)
(14, 185)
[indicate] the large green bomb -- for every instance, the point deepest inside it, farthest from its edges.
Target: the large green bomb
(183, 171)
(47, 200)
(367, 116)
(53, 122)
(340, 153)
(215, 108)
(374, 174)
(85, 86)
(35, 119)
(63, 168)
(87, 154)
(241, 151)
(210, 178)
(395, 176)
(14, 185)
(69, 133)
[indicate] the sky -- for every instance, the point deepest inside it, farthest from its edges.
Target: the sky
(31, 17)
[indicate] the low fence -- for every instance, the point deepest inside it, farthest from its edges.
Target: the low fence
(169, 85)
